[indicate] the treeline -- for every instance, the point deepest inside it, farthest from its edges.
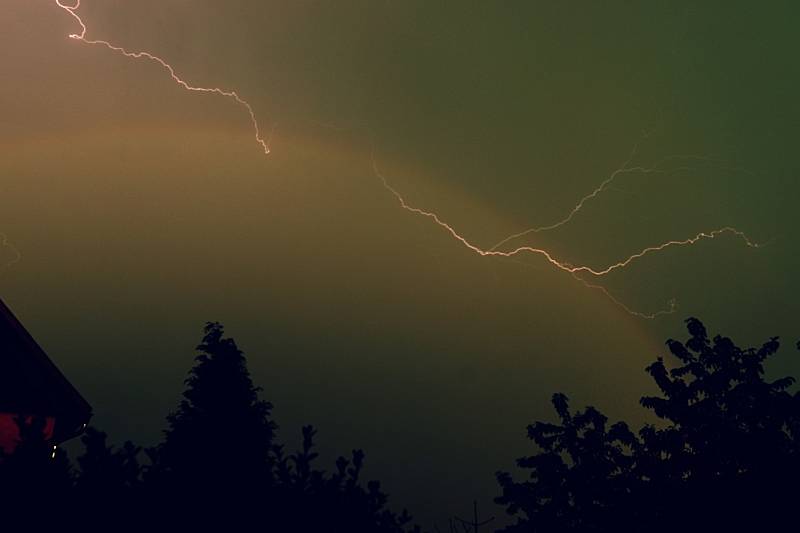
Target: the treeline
(219, 466)
(722, 455)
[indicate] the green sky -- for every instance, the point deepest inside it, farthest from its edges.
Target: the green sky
(142, 211)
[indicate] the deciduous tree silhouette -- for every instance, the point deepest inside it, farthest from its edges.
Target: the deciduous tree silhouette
(104, 470)
(720, 458)
(729, 439)
(108, 482)
(578, 480)
(339, 501)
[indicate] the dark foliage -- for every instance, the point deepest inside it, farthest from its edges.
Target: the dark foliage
(220, 424)
(721, 458)
(217, 467)
(36, 468)
(36, 481)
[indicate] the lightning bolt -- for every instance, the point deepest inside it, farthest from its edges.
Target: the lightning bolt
(656, 168)
(625, 168)
(561, 265)
(574, 270)
(17, 255)
(672, 304)
(599, 189)
(669, 309)
(72, 10)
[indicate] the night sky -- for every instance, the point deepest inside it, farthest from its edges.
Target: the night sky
(141, 210)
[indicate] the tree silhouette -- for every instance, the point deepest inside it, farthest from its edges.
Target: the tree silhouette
(722, 454)
(219, 462)
(719, 457)
(220, 437)
(580, 478)
(218, 466)
(729, 438)
(104, 470)
(108, 482)
(340, 503)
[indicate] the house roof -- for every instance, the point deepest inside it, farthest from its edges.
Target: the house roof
(31, 384)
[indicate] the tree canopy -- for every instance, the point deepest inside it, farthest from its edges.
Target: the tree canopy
(721, 452)
(720, 455)
(219, 465)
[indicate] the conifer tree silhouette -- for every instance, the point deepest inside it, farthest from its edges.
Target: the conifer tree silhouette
(220, 437)
(219, 462)
(219, 466)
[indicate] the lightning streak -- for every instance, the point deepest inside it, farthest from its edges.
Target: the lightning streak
(671, 307)
(672, 304)
(561, 265)
(656, 168)
(494, 251)
(17, 255)
(147, 55)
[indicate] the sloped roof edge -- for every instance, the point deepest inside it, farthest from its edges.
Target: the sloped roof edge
(74, 403)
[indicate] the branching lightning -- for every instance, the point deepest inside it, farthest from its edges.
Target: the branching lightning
(576, 271)
(147, 55)
(562, 265)
(15, 253)
(657, 168)
(672, 304)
